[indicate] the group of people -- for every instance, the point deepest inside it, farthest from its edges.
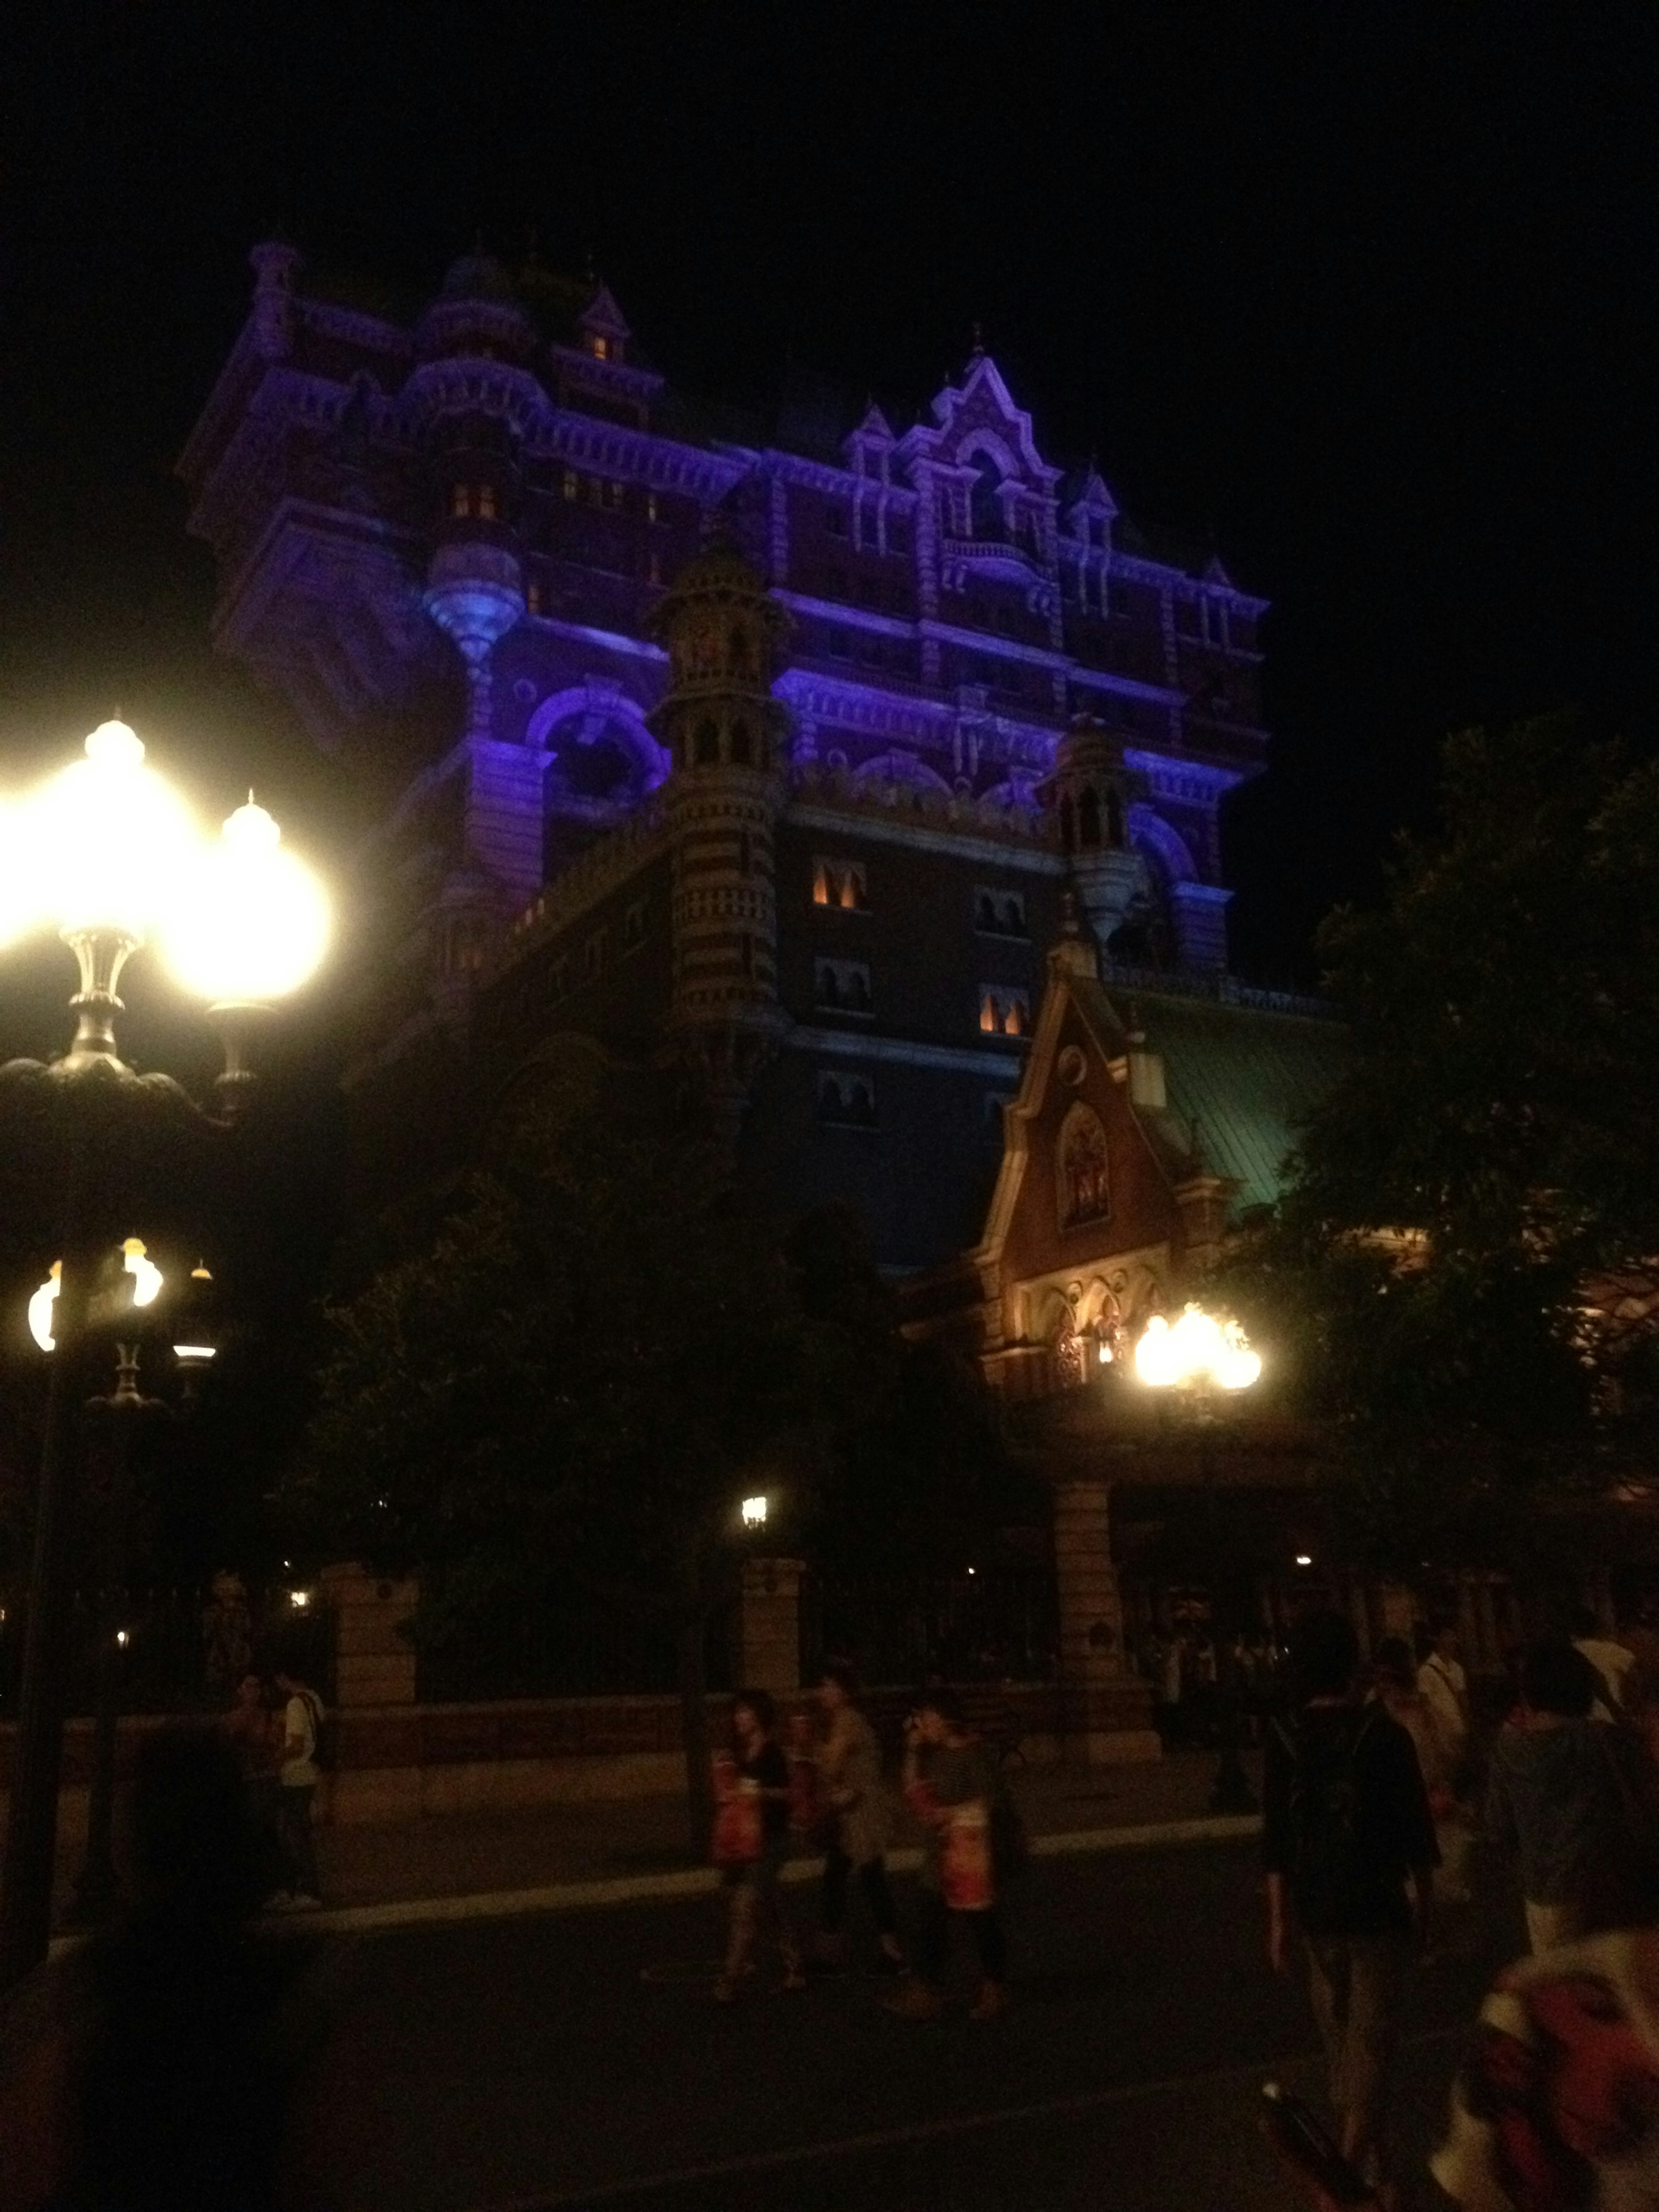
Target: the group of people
(819, 1784)
(1376, 1792)
(276, 1732)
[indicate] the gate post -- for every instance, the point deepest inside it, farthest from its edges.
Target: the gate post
(1105, 1708)
(768, 1652)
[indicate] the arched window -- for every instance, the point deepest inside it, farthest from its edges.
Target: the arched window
(742, 743)
(1067, 826)
(707, 744)
(740, 660)
(486, 502)
(1070, 1355)
(986, 502)
(1114, 818)
(460, 501)
(987, 1013)
(1085, 1187)
(1088, 820)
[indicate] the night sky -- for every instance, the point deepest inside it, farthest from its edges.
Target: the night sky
(1364, 292)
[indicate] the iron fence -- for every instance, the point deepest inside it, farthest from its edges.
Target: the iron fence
(181, 1649)
(985, 1624)
(566, 1650)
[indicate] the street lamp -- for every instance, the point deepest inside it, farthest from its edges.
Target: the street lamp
(1195, 1355)
(110, 856)
(754, 1511)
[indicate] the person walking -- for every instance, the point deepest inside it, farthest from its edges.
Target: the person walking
(850, 1766)
(1442, 1680)
(297, 1776)
(1397, 1693)
(754, 1811)
(249, 1729)
(1348, 1852)
(951, 1787)
(1574, 1801)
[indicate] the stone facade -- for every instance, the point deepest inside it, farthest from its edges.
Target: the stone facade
(462, 540)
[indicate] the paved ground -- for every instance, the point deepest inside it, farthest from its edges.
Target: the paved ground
(460, 1854)
(576, 2059)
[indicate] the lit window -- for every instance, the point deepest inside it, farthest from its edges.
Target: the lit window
(839, 883)
(486, 502)
(1003, 1012)
(532, 598)
(460, 501)
(571, 484)
(599, 347)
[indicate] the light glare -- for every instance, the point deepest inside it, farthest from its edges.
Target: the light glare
(1199, 1348)
(100, 844)
(251, 922)
(754, 1512)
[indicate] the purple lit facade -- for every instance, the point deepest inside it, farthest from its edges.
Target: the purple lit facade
(445, 539)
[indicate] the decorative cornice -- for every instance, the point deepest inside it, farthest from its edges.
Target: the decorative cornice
(999, 1058)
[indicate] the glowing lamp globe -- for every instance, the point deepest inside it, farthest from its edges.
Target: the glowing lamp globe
(18, 900)
(1199, 1348)
(251, 922)
(146, 1280)
(103, 841)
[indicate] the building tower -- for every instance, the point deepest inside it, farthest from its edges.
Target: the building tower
(1090, 793)
(723, 732)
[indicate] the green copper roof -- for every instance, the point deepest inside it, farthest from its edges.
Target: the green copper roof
(1247, 1076)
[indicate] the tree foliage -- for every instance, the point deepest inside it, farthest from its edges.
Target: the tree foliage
(1467, 1254)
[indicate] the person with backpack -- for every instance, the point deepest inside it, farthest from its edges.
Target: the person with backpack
(1349, 1853)
(1575, 1801)
(298, 1773)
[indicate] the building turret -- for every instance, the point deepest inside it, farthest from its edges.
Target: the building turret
(723, 732)
(1090, 793)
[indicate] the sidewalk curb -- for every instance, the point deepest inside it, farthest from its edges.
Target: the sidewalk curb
(702, 1881)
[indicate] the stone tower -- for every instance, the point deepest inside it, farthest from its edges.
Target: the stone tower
(723, 732)
(1090, 791)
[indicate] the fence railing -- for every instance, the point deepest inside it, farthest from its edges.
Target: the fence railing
(576, 1651)
(181, 1650)
(990, 1624)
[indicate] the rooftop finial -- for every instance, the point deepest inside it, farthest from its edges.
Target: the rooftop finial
(978, 353)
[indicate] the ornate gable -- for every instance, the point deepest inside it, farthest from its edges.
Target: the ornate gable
(979, 419)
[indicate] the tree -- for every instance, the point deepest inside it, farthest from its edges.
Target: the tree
(562, 1390)
(1467, 1257)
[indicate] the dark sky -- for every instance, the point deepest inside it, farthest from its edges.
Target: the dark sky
(1366, 290)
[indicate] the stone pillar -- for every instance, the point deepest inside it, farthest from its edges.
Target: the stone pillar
(1105, 1711)
(373, 1663)
(768, 1651)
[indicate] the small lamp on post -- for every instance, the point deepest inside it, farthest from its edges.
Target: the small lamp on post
(109, 856)
(1198, 1356)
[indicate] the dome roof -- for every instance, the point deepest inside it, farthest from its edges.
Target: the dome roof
(477, 277)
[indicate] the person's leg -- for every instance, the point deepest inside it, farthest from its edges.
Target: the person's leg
(1327, 1990)
(832, 1894)
(992, 1950)
(873, 1881)
(1379, 1974)
(740, 1896)
(298, 1844)
(917, 1997)
(772, 1919)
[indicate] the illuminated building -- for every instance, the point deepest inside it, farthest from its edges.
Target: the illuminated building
(926, 680)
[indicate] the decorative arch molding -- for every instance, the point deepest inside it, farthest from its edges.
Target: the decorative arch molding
(897, 766)
(599, 707)
(981, 442)
(1152, 834)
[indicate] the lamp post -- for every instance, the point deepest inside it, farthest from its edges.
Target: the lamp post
(107, 854)
(1197, 1356)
